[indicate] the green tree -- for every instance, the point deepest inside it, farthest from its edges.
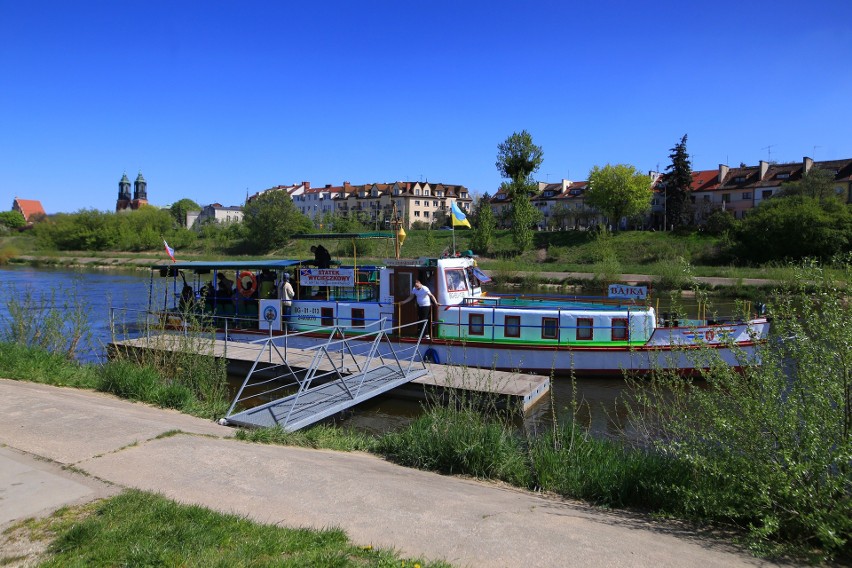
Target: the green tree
(180, 208)
(484, 225)
(677, 183)
(619, 191)
(517, 159)
(794, 228)
(12, 219)
(271, 219)
(816, 183)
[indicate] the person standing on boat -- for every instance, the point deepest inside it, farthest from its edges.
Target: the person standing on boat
(322, 258)
(425, 299)
(286, 294)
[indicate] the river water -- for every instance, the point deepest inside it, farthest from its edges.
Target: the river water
(99, 290)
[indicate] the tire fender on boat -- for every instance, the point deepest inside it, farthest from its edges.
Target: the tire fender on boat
(431, 356)
(247, 283)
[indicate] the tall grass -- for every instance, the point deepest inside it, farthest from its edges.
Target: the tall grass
(55, 320)
(179, 366)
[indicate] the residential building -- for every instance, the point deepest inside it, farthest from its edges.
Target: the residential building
(562, 206)
(29, 208)
(374, 203)
(214, 213)
(740, 189)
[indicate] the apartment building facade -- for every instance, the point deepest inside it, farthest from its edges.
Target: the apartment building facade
(374, 203)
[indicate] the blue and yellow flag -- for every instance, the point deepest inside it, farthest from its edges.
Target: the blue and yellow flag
(459, 218)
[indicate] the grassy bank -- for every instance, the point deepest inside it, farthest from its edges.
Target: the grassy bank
(142, 529)
(630, 252)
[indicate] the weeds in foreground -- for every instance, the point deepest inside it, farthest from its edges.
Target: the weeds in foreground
(56, 320)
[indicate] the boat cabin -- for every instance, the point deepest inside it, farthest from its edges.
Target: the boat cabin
(357, 298)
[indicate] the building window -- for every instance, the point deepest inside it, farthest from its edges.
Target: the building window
(706, 199)
(426, 192)
(726, 198)
(357, 317)
(585, 329)
(549, 328)
(426, 214)
(327, 317)
(417, 202)
(766, 194)
(619, 329)
(783, 176)
(512, 326)
(417, 213)
(746, 195)
(476, 324)
(434, 204)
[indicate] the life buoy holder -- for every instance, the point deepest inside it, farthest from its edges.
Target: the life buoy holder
(247, 284)
(709, 335)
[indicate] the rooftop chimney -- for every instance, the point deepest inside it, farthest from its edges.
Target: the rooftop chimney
(723, 172)
(807, 164)
(764, 167)
(307, 184)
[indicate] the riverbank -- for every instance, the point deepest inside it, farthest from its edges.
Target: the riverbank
(545, 277)
(195, 461)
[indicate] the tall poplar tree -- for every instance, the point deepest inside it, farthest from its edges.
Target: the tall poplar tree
(483, 225)
(517, 159)
(677, 182)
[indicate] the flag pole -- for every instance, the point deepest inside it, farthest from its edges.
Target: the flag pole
(453, 225)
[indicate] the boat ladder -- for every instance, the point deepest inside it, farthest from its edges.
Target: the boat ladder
(294, 387)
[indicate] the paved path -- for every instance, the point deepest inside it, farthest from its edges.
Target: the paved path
(469, 523)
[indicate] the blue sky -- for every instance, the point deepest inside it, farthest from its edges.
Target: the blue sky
(213, 99)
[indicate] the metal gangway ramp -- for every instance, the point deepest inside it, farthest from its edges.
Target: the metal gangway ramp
(298, 380)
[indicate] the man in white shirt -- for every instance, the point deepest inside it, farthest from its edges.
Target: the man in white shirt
(424, 304)
(286, 294)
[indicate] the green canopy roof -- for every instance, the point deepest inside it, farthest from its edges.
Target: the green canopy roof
(338, 236)
(272, 264)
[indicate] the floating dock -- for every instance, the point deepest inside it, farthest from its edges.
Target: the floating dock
(515, 390)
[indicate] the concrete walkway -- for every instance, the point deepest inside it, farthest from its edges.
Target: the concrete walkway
(118, 444)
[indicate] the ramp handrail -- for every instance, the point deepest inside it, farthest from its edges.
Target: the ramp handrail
(286, 368)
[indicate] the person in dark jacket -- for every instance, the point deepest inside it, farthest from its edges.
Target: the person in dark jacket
(322, 258)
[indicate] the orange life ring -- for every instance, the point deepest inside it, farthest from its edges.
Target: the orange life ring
(709, 335)
(247, 283)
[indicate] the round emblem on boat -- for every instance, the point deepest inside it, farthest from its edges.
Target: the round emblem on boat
(709, 335)
(270, 314)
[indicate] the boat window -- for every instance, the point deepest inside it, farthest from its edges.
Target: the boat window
(585, 329)
(619, 329)
(549, 328)
(476, 324)
(357, 317)
(512, 326)
(326, 317)
(455, 280)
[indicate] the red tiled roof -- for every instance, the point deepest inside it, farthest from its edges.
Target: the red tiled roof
(28, 208)
(705, 180)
